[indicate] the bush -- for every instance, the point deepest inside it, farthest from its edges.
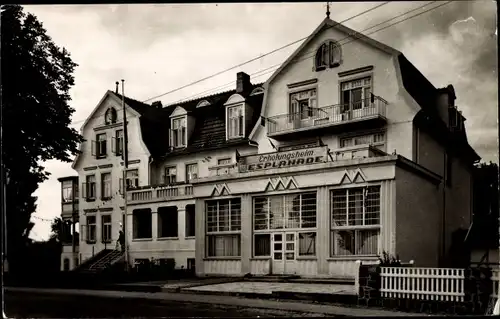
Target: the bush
(389, 261)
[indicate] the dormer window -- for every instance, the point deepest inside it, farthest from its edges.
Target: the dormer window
(178, 132)
(235, 121)
(110, 116)
(327, 56)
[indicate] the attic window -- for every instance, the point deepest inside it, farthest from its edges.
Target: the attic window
(178, 132)
(235, 121)
(110, 116)
(257, 91)
(203, 103)
(327, 56)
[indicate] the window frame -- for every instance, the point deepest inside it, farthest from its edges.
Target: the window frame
(106, 228)
(114, 116)
(90, 226)
(103, 185)
(355, 229)
(169, 180)
(182, 128)
(189, 174)
(65, 186)
(240, 129)
(135, 219)
(232, 233)
(167, 213)
(296, 111)
(284, 212)
(88, 186)
(365, 101)
(132, 178)
(101, 145)
(190, 231)
(329, 50)
(118, 142)
(372, 142)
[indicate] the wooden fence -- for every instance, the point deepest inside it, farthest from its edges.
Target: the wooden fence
(443, 284)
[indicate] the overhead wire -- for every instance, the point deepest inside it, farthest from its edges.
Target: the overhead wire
(307, 55)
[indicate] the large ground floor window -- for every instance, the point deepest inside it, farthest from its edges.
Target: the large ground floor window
(355, 221)
(223, 227)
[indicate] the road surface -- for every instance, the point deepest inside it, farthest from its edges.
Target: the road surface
(39, 305)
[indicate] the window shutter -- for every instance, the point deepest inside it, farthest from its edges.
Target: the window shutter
(171, 137)
(104, 145)
(294, 110)
(183, 136)
(240, 130)
(84, 190)
(93, 148)
(120, 187)
(114, 141)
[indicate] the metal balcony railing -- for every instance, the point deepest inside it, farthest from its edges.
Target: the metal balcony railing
(328, 115)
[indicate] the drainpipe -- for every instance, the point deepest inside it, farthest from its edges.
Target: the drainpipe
(149, 168)
(443, 226)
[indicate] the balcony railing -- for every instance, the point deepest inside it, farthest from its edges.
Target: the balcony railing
(159, 193)
(328, 115)
(353, 152)
(224, 169)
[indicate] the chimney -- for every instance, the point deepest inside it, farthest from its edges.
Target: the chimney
(157, 104)
(243, 85)
(116, 89)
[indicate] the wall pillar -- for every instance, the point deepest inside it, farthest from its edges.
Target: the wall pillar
(323, 235)
(199, 236)
(181, 223)
(154, 225)
(246, 233)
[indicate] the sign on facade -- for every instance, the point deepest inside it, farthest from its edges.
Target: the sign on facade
(284, 159)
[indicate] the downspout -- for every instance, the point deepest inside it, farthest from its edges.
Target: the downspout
(149, 168)
(443, 226)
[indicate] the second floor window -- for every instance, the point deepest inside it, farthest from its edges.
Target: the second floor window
(106, 186)
(191, 172)
(89, 187)
(328, 55)
(178, 132)
(101, 147)
(132, 178)
(377, 140)
(235, 121)
(302, 105)
(67, 191)
(224, 163)
(170, 176)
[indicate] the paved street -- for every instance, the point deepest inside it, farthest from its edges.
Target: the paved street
(21, 304)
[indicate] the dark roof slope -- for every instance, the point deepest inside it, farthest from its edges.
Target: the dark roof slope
(210, 128)
(210, 124)
(425, 94)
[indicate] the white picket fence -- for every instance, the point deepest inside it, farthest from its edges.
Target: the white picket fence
(443, 284)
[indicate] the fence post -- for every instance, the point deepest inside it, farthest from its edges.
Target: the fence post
(356, 277)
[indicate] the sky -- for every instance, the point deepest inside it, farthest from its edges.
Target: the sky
(157, 48)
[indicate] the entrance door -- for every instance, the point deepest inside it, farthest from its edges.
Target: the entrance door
(284, 253)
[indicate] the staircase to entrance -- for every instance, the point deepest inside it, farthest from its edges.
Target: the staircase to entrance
(101, 261)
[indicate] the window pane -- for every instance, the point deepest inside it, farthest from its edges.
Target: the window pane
(308, 210)
(344, 242)
(223, 246)
(261, 213)
(262, 245)
(372, 210)
(367, 242)
(355, 216)
(276, 214)
(339, 208)
(224, 215)
(212, 216)
(307, 244)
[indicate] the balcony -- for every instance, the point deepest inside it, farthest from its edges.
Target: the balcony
(159, 193)
(367, 113)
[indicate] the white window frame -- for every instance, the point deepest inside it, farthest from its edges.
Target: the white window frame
(376, 139)
(191, 171)
(106, 230)
(235, 119)
(347, 226)
(285, 213)
(168, 177)
(365, 83)
(91, 226)
(67, 191)
(90, 184)
(303, 104)
(101, 145)
(132, 180)
(118, 142)
(107, 183)
(218, 232)
(178, 135)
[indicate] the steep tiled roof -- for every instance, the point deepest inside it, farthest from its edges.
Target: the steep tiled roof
(210, 128)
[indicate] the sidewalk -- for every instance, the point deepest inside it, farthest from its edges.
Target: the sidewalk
(228, 301)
